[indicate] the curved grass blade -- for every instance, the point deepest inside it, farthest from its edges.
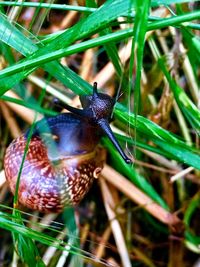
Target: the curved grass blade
(7, 223)
(166, 140)
(64, 74)
(94, 22)
(140, 28)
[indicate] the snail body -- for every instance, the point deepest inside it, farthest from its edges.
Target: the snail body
(63, 156)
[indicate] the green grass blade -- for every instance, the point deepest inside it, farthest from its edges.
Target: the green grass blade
(140, 28)
(102, 18)
(112, 52)
(54, 68)
(155, 3)
(48, 6)
(167, 141)
(10, 223)
(34, 106)
(188, 108)
(30, 64)
(28, 251)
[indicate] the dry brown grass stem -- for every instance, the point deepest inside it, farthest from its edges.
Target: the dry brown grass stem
(50, 89)
(154, 167)
(87, 65)
(84, 234)
(45, 221)
(143, 257)
(50, 252)
(25, 113)
(172, 64)
(187, 68)
(181, 174)
(115, 225)
(132, 192)
(66, 22)
(14, 12)
(103, 76)
(108, 71)
(162, 160)
(102, 245)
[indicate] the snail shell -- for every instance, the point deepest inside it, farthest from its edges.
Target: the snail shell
(63, 157)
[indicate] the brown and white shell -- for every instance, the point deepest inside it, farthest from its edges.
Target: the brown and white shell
(49, 186)
(62, 159)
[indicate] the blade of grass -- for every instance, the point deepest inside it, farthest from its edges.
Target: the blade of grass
(49, 6)
(29, 253)
(188, 108)
(69, 219)
(140, 28)
(30, 105)
(27, 64)
(96, 21)
(9, 223)
(166, 140)
(56, 70)
(154, 3)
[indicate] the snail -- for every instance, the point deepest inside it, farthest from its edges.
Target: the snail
(63, 156)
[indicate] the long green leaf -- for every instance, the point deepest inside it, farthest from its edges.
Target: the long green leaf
(25, 46)
(7, 223)
(166, 140)
(140, 28)
(87, 26)
(188, 108)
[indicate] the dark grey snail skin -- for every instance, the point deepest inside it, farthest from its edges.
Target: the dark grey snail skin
(63, 157)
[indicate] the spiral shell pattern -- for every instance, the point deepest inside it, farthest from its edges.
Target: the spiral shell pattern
(45, 185)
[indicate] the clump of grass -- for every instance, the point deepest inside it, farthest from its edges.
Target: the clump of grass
(146, 54)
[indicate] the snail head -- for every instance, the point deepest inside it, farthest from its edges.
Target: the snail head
(97, 110)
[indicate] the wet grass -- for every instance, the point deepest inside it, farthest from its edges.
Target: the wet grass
(147, 56)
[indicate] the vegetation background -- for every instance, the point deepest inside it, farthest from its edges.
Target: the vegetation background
(145, 53)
